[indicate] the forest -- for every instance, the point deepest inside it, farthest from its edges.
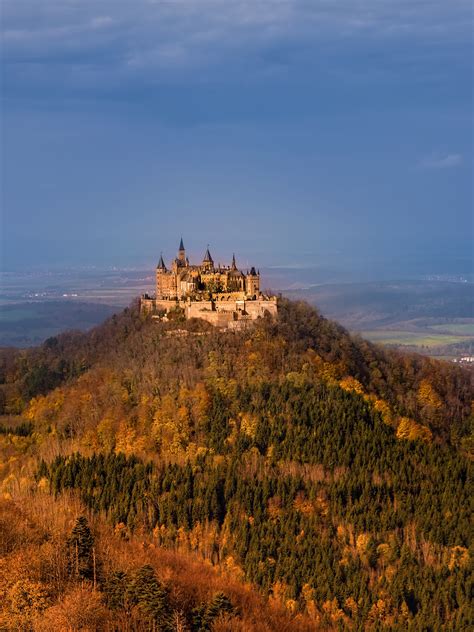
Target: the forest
(290, 476)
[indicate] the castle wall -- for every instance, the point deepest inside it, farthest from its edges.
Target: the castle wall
(218, 319)
(147, 305)
(231, 310)
(257, 309)
(165, 305)
(196, 309)
(219, 313)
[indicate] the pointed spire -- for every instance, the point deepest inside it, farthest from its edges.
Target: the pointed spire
(161, 263)
(207, 256)
(181, 245)
(234, 266)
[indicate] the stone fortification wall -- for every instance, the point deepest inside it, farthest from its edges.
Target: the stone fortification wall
(147, 305)
(165, 305)
(257, 308)
(221, 313)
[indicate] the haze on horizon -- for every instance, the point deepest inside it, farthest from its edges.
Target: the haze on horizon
(291, 132)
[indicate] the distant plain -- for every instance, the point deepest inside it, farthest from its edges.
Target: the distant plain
(428, 316)
(434, 317)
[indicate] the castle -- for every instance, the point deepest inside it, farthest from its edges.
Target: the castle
(223, 295)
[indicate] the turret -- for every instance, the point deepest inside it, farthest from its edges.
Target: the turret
(161, 264)
(182, 252)
(161, 276)
(252, 283)
(208, 262)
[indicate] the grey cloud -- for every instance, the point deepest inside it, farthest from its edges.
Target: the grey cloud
(205, 22)
(445, 161)
(101, 21)
(149, 39)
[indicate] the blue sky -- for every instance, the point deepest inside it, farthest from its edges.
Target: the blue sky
(291, 132)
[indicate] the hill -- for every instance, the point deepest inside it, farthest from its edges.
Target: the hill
(29, 323)
(430, 317)
(327, 476)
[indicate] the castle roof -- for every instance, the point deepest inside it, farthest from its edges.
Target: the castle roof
(253, 272)
(181, 245)
(187, 277)
(207, 257)
(234, 272)
(161, 264)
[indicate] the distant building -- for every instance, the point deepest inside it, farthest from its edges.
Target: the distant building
(465, 360)
(222, 295)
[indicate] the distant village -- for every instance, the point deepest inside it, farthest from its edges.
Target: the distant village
(468, 360)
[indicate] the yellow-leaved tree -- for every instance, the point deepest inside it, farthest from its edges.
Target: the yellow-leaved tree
(413, 431)
(427, 396)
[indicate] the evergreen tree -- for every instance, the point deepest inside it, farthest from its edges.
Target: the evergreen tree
(150, 596)
(81, 548)
(116, 590)
(204, 615)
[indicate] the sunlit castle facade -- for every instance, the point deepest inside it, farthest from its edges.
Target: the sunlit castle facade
(183, 280)
(217, 293)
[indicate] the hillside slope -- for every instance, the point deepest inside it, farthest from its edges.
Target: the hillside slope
(330, 473)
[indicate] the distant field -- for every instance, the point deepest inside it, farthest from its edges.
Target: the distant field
(413, 339)
(461, 329)
(432, 317)
(13, 315)
(32, 322)
(429, 317)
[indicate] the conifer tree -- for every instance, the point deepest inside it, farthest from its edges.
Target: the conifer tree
(116, 590)
(205, 614)
(150, 596)
(81, 547)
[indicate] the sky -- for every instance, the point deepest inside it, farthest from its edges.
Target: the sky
(330, 133)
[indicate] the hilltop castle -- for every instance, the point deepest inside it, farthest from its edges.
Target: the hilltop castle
(222, 295)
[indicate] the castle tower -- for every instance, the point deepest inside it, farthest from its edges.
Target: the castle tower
(235, 278)
(161, 271)
(181, 260)
(252, 283)
(207, 262)
(182, 252)
(161, 264)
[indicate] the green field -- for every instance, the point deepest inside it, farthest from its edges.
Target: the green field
(413, 339)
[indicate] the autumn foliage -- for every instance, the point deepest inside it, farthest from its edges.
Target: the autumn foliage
(287, 477)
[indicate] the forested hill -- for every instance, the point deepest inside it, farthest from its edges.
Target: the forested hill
(437, 394)
(330, 473)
